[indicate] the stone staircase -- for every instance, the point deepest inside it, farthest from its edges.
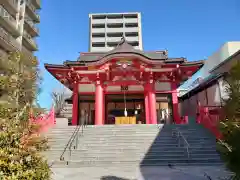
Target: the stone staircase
(126, 146)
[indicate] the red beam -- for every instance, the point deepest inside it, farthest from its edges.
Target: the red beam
(127, 92)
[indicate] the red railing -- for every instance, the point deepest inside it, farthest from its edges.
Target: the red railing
(44, 121)
(210, 117)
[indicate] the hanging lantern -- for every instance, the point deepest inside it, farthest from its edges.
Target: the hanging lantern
(125, 112)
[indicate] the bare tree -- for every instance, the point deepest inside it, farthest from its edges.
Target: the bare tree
(58, 97)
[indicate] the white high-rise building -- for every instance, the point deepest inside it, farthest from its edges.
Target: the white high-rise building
(107, 29)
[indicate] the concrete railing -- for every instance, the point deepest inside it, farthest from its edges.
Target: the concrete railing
(27, 53)
(30, 39)
(8, 17)
(9, 39)
(37, 3)
(130, 20)
(33, 12)
(32, 25)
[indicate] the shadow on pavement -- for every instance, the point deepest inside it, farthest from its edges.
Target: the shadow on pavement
(113, 178)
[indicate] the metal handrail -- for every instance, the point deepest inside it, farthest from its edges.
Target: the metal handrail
(76, 141)
(69, 141)
(179, 134)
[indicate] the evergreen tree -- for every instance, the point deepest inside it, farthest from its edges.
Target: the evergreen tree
(229, 126)
(20, 145)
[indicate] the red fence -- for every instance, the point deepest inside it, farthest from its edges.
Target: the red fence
(210, 117)
(45, 121)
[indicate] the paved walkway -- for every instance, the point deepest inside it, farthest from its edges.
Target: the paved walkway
(145, 173)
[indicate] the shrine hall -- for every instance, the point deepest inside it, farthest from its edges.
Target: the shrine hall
(124, 85)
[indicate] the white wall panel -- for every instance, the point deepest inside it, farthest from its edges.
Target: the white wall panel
(86, 88)
(213, 95)
(113, 88)
(202, 98)
(162, 86)
(192, 106)
(135, 88)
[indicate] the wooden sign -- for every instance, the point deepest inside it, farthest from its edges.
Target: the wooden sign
(124, 88)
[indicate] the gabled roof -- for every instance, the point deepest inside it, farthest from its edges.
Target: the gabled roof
(123, 47)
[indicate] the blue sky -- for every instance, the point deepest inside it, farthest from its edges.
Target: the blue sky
(186, 28)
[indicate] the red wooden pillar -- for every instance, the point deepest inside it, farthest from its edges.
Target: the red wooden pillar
(75, 105)
(146, 108)
(176, 116)
(152, 103)
(104, 107)
(99, 104)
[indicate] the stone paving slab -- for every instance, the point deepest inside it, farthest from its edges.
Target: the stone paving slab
(137, 173)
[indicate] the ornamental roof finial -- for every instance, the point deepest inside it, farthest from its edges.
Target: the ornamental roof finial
(123, 39)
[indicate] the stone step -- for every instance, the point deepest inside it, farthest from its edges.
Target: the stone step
(134, 137)
(152, 162)
(121, 165)
(130, 149)
(130, 155)
(131, 138)
(136, 145)
(129, 146)
(125, 142)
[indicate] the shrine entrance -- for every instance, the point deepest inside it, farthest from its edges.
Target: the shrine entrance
(96, 80)
(125, 109)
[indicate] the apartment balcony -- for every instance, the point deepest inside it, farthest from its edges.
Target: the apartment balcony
(98, 30)
(31, 28)
(114, 39)
(98, 21)
(131, 29)
(8, 22)
(29, 42)
(98, 39)
(114, 21)
(134, 38)
(10, 5)
(37, 3)
(130, 20)
(8, 42)
(31, 11)
(114, 30)
(101, 49)
(27, 53)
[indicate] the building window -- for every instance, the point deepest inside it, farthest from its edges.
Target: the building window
(98, 35)
(116, 25)
(98, 25)
(115, 16)
(114, 34)
(98, 44)
(131, 34)
(131, 25)
(98, 17)
(130, 16)
(134, 43)
(112, 44)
